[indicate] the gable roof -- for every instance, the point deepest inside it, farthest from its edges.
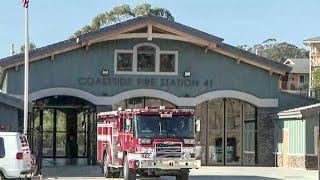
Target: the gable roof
(206, 40)
(312, 40)
(299, 65)
(301, 112)
(13, 101)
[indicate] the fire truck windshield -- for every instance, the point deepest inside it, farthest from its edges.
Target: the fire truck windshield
(154, 126)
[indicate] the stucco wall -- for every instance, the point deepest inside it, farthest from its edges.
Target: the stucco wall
(9, 117)
(72, 69)
(294, 81)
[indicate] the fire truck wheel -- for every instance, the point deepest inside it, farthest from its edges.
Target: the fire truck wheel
(183, 176)
(129, 174)
(116, 174)
(105, 166)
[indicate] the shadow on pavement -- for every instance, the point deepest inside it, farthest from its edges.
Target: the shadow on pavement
(71, 171)
(228, 177)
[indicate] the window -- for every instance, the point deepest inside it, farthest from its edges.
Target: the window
(301, 79)
(146, 58)
(124, 61)
(167, 62)
(2, 150)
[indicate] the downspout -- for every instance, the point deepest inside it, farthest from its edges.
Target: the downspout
(275, 138)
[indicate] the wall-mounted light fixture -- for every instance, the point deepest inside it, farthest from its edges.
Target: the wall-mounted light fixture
(105, 72)
(187, 74)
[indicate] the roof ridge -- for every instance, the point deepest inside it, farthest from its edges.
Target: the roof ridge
(83, 38)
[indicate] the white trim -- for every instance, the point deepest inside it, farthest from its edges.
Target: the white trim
(116, 51)
(311, 155)
(249, 152)
(290, 62)
(290, 115)
(179, 101)
(315, 139)
(301, 108)
(296, 154)
(176, 64)
(134, 52)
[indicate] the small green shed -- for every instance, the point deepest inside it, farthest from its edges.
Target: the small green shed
(297, 136)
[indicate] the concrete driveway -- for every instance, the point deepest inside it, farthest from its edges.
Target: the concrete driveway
(204, 173)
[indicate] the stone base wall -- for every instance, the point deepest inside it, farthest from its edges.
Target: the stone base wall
(296, 161)
(249, 158)
(311, 162)
(279, 160)
(265, 136)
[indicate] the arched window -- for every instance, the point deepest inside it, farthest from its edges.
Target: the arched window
(146, 58)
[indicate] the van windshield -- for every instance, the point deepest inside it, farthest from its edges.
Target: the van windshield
(154, 126)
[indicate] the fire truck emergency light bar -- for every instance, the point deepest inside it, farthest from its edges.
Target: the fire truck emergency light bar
(107, 114)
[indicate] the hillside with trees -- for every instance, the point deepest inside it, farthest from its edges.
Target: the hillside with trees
(122, 13)
(277, 51)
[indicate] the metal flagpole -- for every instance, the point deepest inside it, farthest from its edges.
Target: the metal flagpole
(26, 67)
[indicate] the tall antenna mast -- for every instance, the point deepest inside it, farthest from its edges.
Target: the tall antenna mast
(12, 50)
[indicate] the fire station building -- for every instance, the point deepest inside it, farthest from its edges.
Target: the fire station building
(151, 61)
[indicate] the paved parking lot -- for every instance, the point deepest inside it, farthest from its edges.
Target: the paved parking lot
(204, 173)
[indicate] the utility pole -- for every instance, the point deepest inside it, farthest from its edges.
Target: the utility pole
(25, 4)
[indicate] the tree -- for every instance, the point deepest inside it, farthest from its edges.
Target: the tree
(122, 13)
(32, 46)
(276, 51)
(316, 77)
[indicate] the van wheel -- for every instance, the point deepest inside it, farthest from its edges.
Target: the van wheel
(129, 174)
(1, 176)
(105, 166)
(116, 174)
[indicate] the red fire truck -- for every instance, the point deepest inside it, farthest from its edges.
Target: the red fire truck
(150, 142)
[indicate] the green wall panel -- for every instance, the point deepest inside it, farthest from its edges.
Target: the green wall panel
(310, 124)
(296, 135)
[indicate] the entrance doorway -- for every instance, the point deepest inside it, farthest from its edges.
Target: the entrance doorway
(62, 130)
(228, 131)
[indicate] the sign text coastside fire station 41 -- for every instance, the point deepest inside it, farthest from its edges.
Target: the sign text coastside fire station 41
(144, 82)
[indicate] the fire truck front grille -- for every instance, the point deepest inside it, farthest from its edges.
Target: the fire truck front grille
(168, 150)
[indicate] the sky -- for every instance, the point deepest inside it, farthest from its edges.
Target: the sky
(236, 21)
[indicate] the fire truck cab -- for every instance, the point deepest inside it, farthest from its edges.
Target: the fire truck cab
(150, 142)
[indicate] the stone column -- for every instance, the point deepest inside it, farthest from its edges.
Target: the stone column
(265, 136)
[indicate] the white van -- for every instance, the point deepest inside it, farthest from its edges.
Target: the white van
(15, 156)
